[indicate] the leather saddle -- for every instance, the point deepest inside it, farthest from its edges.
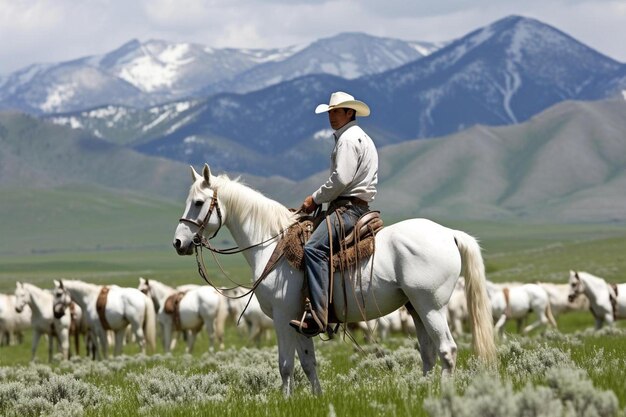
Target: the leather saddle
(358, 244)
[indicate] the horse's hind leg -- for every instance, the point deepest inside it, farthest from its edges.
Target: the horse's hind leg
(119, 341)
(440, 341)
(427, 349)
(140, 337)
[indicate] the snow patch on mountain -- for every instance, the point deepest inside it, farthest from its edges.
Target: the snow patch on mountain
(57, 96)
(156, 70)
(70, 121)
(459, 52)
(185, 120)
(108, 112)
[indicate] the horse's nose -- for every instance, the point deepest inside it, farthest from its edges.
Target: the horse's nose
(18, 309)
(571, 298)
(177, 244)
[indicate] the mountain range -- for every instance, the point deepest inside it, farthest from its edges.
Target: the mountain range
(140, 74)
(515, 120)
(501, 74)
(566, 164)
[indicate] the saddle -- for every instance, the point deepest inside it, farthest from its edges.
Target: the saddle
(357, 245)
(172, 307)
(101, 304)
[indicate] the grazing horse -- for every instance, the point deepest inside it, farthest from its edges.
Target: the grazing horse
(517, 302)
(43, 321)
(12, 323)
(198, 307)
(123, 306)
(608, 301)
(416, 261)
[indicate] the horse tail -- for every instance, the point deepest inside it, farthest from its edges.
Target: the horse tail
(478, 306)
(149, 324)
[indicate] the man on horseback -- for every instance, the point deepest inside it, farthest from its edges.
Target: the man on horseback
(348, 191)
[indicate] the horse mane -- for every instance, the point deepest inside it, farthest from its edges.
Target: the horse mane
(250, 206)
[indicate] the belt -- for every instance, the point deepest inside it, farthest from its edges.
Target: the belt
(354, 200)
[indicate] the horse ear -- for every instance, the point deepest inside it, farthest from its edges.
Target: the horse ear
(206, 173)
(576, 274)
(194, 174)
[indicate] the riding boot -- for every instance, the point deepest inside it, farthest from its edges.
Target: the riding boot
(309, 324)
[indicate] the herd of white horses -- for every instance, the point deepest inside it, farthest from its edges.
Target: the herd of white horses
(67, 312)
(418, 263)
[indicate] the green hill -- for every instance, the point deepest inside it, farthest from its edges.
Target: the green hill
(568, 164)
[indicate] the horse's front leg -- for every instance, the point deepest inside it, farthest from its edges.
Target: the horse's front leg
(286, 339)
(63, 336)
(306, 353)
(33, 348)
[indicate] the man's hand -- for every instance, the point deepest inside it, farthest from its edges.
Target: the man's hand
(308, 205)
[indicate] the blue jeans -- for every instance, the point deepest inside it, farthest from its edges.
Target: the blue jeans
(316, 256)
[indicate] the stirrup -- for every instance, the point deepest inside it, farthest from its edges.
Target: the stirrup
(310, 319)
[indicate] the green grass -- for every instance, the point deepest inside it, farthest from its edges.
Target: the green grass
(131, 236)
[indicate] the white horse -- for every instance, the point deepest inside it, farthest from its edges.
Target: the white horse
(559, 299)
(416, 261)
(517, 302)
(607, 304)
(124, 306)
(12, 323)
(43, 321)
(202, 306)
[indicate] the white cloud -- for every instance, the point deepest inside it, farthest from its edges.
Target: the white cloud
(58, 30)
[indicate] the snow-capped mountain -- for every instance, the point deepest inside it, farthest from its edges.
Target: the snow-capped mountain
(500, 74)
(348, 55)
(143, 74)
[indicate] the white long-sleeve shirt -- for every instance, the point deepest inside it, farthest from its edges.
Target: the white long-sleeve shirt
(353, 167)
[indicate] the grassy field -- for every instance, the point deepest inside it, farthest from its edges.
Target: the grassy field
(571, 372)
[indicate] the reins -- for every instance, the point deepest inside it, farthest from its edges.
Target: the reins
(200, 242)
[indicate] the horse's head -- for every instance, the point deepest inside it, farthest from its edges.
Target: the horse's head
(21, 297)
(144, 285)
(61, 299)
(575, 286)
(202, 215)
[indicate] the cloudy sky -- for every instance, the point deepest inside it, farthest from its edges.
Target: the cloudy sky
(35, 31)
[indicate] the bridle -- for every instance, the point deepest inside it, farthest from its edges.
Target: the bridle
(198, 239)
(199, 242)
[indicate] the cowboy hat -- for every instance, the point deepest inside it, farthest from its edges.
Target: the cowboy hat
(339, 100)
